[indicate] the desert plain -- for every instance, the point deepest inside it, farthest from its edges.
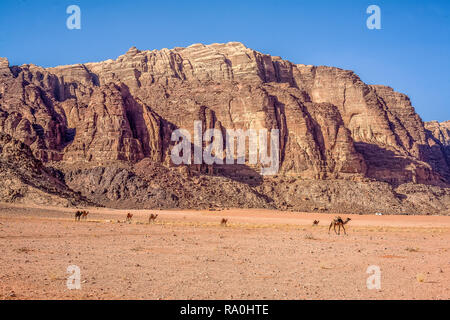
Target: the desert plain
(187, 254)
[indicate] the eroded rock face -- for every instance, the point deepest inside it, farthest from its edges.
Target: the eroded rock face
(24, 179)
(332, 125)
(441, 132)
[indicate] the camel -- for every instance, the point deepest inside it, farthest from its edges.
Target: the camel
(84, 214)
(152, 218)
(78, 215)
(129, 216)
(224, 222)
(316, 222)
(338, 222)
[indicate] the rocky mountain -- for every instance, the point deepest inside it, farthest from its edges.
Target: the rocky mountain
(25, 179)
(344, 145)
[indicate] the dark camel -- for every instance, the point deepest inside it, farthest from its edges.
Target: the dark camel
(338, 222)
(78, 215)
(224, 222)
(152, 218)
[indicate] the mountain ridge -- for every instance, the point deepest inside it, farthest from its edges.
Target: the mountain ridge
(333, 127)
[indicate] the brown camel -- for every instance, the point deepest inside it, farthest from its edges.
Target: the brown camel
(338, 222)
(316, 222)
(152, 218)
(129, 216)
(224, 222)
(84, 214)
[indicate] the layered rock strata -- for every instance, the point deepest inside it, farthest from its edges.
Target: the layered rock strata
(95, 120)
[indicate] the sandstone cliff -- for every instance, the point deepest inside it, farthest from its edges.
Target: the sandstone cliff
(95, 120)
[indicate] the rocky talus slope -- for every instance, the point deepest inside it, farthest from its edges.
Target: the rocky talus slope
(345, 146)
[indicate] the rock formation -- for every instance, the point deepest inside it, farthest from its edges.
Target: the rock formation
(25, 179)
(108, 127)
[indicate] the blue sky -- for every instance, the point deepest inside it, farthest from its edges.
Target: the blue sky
(411, 53)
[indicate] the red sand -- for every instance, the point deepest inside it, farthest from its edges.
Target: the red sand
(261, 254)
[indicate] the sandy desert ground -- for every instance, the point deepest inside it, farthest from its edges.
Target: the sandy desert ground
(185, 254)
